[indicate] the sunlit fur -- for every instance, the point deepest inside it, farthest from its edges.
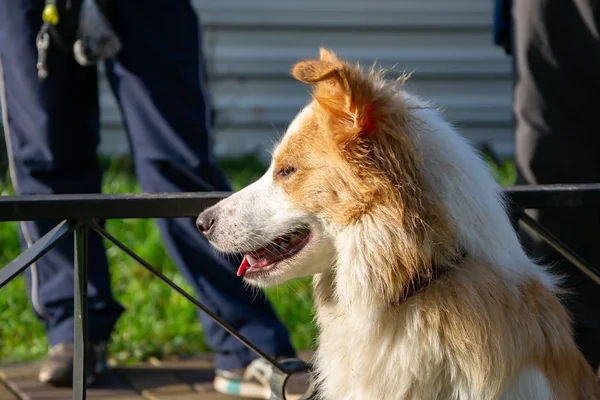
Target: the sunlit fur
(389, 189)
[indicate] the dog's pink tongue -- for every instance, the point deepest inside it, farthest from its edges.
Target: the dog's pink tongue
(243, 266)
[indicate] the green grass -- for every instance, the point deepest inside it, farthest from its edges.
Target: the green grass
(157, 321)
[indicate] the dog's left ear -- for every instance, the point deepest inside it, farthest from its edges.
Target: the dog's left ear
(341, 90)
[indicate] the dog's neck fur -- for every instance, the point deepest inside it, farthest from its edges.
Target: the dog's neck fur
(384, 256)
(356, 273)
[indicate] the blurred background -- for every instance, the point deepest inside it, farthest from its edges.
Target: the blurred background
(250, 47)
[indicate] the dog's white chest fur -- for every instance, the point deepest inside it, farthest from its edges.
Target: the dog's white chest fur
(365, 354)
(369, 358)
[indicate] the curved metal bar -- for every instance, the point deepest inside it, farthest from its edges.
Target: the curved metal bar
(278, 380)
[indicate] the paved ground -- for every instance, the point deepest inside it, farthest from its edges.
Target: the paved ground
(176, 379)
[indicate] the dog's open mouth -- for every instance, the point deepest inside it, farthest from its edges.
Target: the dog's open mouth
(280, 248)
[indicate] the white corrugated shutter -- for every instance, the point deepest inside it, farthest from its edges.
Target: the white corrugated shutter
(251, 45)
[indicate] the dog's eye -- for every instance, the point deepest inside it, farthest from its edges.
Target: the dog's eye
(286, 171)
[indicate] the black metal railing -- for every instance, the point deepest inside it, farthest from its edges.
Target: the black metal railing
(80, 213)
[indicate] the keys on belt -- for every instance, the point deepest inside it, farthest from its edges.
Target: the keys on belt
(43, 43)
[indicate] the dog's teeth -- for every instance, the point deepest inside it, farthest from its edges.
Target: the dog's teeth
(251, 260)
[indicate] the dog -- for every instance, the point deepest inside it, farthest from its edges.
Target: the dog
(422, 288)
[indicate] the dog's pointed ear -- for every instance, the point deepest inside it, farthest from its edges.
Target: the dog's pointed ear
(314, 71)
(342, 91)
(328, 55)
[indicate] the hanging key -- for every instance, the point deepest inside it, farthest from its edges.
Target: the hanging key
(42, 44)
(50, 17)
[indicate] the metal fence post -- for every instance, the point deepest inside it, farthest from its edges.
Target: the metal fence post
(80, 313)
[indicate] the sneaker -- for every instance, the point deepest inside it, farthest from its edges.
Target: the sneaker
(57, 369)
(253, 382)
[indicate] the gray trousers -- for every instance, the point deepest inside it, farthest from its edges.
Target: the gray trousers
(557, 112)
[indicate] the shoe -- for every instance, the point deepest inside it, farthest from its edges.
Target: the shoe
(57, 369)
(253, 382)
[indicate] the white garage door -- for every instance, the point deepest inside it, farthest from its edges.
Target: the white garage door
(251, 45)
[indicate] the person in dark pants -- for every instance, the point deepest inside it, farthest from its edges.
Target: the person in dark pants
(52, 133)
(556, 48)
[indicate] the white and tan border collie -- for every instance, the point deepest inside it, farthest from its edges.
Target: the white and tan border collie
(422, 288)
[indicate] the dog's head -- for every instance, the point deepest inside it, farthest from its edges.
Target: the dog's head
(346, 159)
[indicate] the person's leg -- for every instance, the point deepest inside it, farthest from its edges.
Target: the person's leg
(160, 79)
(557, 50)
(51, 128)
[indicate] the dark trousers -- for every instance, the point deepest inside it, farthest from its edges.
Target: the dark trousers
(52, 133)
(557, 111)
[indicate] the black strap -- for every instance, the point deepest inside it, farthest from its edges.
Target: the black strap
(423, 281)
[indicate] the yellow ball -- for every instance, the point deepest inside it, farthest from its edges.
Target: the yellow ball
(50, 14)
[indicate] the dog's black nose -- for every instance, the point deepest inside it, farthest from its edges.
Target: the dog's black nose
(205, 221)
